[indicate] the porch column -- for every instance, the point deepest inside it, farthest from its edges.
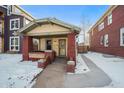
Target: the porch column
(71, 46)
(26, 47)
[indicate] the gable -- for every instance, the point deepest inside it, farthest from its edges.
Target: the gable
(48, 28)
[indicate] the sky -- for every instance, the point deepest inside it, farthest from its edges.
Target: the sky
(73, 14)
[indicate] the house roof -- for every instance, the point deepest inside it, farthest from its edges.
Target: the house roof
(109, 11)
(21, 9)
(35, 23)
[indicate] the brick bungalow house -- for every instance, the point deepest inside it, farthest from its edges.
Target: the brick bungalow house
(48, 35)
(107, 35)
(12, 18)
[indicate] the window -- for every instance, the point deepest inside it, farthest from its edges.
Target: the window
(36, 44)
(109, 19)
(101, 40)
(122, 37)
(48, 44)
(14, 43)
(14, 24)
(106, 41)
(9, 11)
(101, 26)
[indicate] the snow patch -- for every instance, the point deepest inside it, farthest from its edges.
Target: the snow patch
(81, 66)
(16, 74)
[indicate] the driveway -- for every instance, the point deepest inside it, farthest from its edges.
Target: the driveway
(54, 76)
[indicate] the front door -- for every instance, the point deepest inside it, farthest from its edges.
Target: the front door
(62, 47)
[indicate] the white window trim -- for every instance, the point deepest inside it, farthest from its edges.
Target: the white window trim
(121, 38)
(109, 18)
(18, 23)
(14, 45)
(8, 9)
(105, 43)
(101, 40)
(101, 26)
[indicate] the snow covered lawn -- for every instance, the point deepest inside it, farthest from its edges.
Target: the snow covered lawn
(111, 65)
(14, 73)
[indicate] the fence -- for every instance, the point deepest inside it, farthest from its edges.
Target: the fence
(83, 49)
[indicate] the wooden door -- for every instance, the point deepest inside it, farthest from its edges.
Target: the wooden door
(62, 47)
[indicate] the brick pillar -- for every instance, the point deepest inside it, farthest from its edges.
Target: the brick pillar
(71, 46)
(26, 47)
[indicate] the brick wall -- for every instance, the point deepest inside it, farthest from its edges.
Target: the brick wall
(71, 46)
(113, 31)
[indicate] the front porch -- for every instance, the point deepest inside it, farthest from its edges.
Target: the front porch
(49, 37)
(41, 47)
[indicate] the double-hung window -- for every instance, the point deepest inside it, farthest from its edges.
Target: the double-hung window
(9, 10)
(122, 36)
(101, 26)
(14, 24)
(101, 40)
(14, 43)
(109, 19)
(106, 40)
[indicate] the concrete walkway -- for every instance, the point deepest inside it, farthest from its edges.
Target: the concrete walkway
(54, 76)
(95, 78)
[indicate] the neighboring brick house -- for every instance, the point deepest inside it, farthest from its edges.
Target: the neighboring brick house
(107, 35)
(12, 18)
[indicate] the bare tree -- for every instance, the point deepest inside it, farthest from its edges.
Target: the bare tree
(85, 25)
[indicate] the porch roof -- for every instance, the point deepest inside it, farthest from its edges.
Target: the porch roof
(36, 23)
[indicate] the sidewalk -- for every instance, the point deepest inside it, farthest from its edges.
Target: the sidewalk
(54, 76)
(95, 78)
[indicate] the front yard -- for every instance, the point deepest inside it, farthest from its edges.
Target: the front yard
(111, 65)
(14, 73)
(17, 74)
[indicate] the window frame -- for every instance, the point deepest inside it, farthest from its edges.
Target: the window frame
(46, 44)
(15, 19)
(9, 9)
(109, 19)
(14, 45)
(101, 26)
(121, 37)
(105, 43)
(102, 40)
